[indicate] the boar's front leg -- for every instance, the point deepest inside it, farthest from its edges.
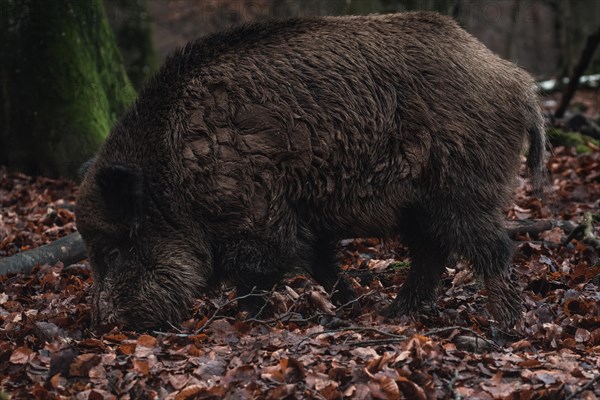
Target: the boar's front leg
(429, 258)
(253, 263)
(325, 271)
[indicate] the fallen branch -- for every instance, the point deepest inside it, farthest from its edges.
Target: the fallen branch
(68, 249)
(585, 387)
(536, 226)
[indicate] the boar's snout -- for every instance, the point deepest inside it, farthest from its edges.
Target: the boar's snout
(103, 309)
(147, 305)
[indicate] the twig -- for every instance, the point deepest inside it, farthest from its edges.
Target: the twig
(352, 329)
(334, 288)
(356, 300)
(174, 327)
(359, 329)
(288, 314)
(266, 303)
(216, 313)
(450, 385)
(285, 317)
(585, 387)
(391, 337)
(315, 393)
(181, 335)
(464, 329)
(304, 320)
(375, 342)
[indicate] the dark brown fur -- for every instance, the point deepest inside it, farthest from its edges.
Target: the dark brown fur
(252, 151)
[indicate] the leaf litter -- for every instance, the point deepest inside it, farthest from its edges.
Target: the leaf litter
(302, 345)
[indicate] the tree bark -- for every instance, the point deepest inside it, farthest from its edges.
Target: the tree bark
(62, 84)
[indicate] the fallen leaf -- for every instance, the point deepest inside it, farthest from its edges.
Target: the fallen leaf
(21, 355)
(82, 364)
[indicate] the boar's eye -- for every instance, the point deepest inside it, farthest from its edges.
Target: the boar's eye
(113, 256)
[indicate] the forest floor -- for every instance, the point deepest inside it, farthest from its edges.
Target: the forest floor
(306, 347)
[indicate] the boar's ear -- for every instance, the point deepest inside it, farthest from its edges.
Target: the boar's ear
(83, 169)
(122, 191)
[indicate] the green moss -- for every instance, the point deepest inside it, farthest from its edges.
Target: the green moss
(580, 142)
(400, 265)
(64, 84)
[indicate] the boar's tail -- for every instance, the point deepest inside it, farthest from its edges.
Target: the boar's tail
(537, 146)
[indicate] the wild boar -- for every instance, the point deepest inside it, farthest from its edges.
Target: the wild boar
(253, 151)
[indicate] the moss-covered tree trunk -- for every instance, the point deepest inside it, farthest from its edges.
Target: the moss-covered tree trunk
(62, 84)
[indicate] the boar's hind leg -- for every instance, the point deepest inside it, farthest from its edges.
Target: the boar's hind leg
(429, 258)
(488, 246)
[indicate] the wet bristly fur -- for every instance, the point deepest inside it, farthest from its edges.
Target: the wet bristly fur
(252, 151)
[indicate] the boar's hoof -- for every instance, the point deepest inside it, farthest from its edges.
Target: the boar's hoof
(344, 293)
(504, 301)
(410, 305)
(253, 306)
(102, 320)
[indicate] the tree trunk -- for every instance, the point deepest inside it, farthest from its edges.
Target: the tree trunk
(130, 22)
(62, 84)
(587, 53)
(512, 29)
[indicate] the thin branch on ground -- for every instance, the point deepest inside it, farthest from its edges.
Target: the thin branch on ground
(356, 300)
(359, 329)
(463, 329)
(392, 337)
(266, 303)
(450, 385)
(374, 342)
(216, 315)
(585, 387)
(285, 317)
(536, 226)
(355, 329)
